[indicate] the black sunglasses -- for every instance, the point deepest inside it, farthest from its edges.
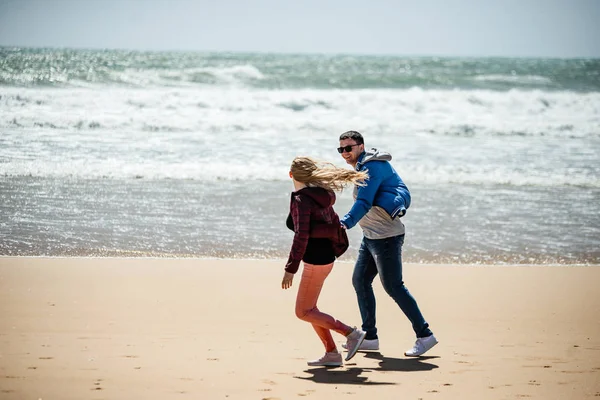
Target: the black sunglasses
(346, 149)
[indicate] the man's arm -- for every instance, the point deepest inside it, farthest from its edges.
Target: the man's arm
(364, 196)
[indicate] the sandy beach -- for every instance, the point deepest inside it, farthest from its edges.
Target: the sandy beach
(114, 328)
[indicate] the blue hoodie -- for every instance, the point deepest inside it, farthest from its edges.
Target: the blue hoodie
(384, 188)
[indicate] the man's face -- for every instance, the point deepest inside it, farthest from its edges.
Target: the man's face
(351, 156)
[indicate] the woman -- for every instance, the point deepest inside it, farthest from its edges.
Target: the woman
(311, 208)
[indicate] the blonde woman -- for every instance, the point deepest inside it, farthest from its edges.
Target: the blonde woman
(311, 209)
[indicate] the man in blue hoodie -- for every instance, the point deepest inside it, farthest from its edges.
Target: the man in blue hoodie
(377, 208)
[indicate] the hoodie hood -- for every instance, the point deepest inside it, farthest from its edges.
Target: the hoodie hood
(373, 155)
(323, 197)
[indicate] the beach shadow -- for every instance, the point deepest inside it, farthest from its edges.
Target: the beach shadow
(401, 364)
(348, 376)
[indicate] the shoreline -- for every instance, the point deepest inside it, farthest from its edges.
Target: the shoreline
(283, 260)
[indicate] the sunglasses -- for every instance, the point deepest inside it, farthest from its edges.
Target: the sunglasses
(346, 149)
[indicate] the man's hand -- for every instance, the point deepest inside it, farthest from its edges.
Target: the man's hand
(343, 226)
(286, 283)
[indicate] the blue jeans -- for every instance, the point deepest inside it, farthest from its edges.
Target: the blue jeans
(384, 257)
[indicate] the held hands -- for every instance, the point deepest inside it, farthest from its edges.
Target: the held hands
(286, 283)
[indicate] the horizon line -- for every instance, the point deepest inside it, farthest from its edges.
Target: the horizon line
(292, 53)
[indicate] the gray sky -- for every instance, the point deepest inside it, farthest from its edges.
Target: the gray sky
(538, 28)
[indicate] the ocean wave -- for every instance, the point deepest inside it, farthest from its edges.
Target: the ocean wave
(467, 137)
(303, 105)
(466, 131)
(238, 75)
(519, 80)
(461, 113)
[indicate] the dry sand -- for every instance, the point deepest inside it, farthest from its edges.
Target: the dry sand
(110, 328)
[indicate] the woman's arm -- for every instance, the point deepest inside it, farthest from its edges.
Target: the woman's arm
(300, 210)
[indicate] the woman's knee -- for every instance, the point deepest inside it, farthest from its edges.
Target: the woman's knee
(302, 313)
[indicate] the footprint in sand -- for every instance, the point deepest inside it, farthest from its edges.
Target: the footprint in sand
(309, 392)
(462, 354)
(97, 385)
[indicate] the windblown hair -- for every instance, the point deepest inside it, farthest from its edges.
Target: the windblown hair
(326, 175)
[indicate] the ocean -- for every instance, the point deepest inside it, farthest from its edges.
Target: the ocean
(184, 154)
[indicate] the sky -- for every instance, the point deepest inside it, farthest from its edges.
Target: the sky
(507, 28)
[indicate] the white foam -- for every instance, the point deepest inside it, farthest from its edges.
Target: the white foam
(437, 136)
(514, 79)
(235, 75)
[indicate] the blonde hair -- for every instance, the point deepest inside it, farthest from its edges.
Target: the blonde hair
(323, 174)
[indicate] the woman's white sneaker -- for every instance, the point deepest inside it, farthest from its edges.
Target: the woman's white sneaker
(367, 344)
(333, 359)
(353, 342)
(422, 345)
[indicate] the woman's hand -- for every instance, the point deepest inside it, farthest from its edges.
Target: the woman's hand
(286, 283)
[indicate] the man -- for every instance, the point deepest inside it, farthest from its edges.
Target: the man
(377, 208)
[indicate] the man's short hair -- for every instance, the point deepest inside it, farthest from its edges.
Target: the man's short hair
(354, 135)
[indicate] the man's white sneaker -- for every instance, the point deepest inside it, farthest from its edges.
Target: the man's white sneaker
(333, 359)
(353, 342)
(367, 344)
(422, 345)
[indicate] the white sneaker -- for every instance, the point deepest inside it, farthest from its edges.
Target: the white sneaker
(422, 345)
(353, 342)
(367, 344)
(333, 359)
